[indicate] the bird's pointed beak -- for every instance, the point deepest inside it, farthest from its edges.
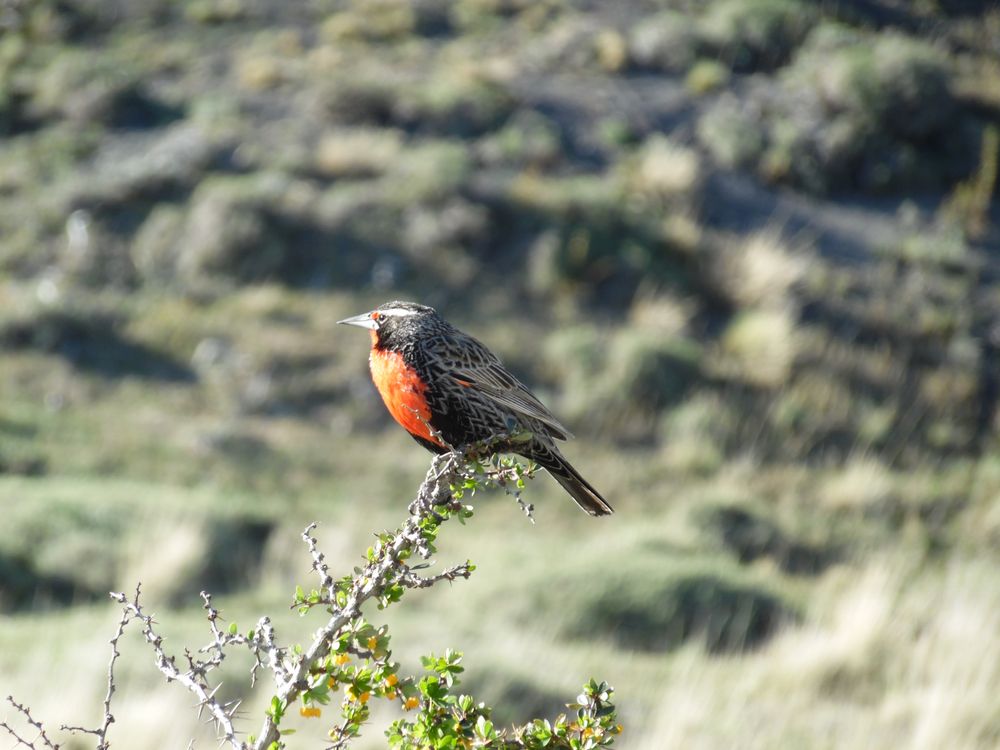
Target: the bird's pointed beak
(361, 321)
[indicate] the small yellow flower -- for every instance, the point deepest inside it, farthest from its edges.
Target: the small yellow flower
(342, 659)
(411, 703)
(619, 728)
(310, 712)
(391, 680)
(390, 695)
(352, 696)
(372, 643)
(331, 683)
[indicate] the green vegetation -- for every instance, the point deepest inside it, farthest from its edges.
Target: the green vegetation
(850, 112)
(747, 251)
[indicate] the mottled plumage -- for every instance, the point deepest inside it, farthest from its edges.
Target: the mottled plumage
(447, 389)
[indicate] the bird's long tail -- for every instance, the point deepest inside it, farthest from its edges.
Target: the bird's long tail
(578, 488)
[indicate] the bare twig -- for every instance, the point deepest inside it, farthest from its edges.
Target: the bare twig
(102, 732)
(415, 581)
(319, 563)
(42, 737)
(194, 678)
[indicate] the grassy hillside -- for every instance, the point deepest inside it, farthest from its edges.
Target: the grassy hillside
(748, 251)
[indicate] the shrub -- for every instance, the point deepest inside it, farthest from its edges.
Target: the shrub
(875, 113)
(706, 76)
(621, 384)
(760, 348)
(760, 270)
(57, 557)
(361, 152)
(732, 132)
(596, 238)
(668, 42)
(754, 34)
(529, 139)
(455, 103)
(91, 339)
(86, 87)
(657, 605)
(666, 169)
(698, 433)
(750, 536)
(351, 658)
(897, 84)
(381, 21)
(226, 233)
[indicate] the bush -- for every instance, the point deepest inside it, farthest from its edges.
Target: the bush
(91, 339)
(666, 169)
(731, 130)
(89, 88)
(755, 34)
(154, 247)
(226, 233)
(852, 111)
(595, 235)
(651, 605)
(759, 347)
(381, 21)
(621, 385)
(750, 536)
(429, 170)
(457, 103)
(349, 654)
(699, 433)
(57, 557)
(360, 152)
(897, 84)
(529, 139)
(668, 42)
(706, 76)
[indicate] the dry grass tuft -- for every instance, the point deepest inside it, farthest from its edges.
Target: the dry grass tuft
(666, 169)
(759, 347)
(860, 483)
(357, 152)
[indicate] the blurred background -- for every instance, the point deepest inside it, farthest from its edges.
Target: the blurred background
(747, 250)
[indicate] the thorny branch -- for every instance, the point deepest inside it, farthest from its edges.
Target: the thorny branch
(102, 732)
(42, 737)
(195, 677)
(385, 568)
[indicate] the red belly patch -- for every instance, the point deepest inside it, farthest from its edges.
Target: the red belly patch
(403, 393)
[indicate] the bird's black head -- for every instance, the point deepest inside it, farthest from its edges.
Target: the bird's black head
(392, 322)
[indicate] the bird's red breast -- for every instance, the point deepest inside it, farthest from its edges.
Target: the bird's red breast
(403, 392)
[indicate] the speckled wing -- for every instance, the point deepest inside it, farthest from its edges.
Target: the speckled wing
(472, 365)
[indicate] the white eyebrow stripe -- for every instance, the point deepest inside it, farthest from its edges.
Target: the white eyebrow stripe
(396, 312)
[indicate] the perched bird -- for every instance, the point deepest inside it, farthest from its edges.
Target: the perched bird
(448, 390)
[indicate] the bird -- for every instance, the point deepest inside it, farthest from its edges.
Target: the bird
(448, 391)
